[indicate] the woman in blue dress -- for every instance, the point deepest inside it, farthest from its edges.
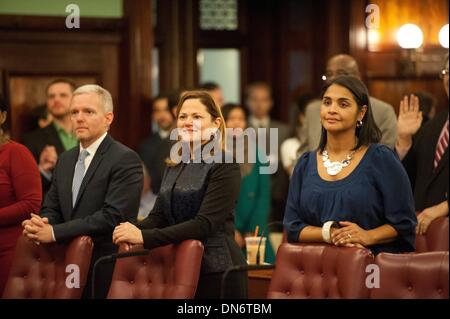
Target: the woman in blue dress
(352, 191)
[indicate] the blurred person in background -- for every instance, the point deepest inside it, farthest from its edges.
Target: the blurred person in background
(259, 102)
(215, 91)
(253, 204)
(47, 143)
(423, 150)
(155, 149)
(294, 147)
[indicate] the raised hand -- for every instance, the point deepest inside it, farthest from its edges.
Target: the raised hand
(409, 118)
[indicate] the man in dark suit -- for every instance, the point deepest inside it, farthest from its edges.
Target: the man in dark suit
(155, 149)
(424, 154)
(95, 186)
(259, 103)
(47, 143)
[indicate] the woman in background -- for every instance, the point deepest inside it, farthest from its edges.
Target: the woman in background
(294, 147)
(20, 194)
(252, 207)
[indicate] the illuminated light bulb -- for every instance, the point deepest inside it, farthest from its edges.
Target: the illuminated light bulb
(409, 36)
(443, 36)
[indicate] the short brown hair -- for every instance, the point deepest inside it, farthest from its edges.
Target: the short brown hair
(257, 85)
(211, 107)
(70, 83)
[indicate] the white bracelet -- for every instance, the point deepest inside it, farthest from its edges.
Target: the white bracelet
(326, 234)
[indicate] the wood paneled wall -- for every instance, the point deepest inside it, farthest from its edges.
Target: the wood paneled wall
(42, 48)
(114, 52)
(383, 67)
(429, 15)
(285, 43)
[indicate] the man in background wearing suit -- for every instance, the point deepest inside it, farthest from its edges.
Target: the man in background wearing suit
(155, 150)
(47, 143)
(95, 186)
(424, 153)
(383, 113)
(259, 103)
(215, 91)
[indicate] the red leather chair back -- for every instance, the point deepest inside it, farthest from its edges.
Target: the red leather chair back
(320, 271)
(41, 271)
(168, 272)
(412, 275)
(436, 237)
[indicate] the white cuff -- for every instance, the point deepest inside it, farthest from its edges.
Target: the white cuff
(326, 234)
(53, 235)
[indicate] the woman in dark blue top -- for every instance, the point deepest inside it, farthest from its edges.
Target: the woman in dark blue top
(352, 192)
(197, 201)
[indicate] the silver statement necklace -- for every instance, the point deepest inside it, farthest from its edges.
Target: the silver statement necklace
(333, 168)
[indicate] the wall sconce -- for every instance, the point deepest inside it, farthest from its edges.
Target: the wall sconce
(413, 61)
(409, 38)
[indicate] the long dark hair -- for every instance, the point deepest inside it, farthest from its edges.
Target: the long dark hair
(368, 132)
(228, 107)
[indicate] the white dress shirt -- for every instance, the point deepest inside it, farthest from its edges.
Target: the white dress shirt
(256, 123)
(92, 149)
(163, 134)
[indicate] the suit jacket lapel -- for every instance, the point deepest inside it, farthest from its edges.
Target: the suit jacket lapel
(441, 165)
(93, 166)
